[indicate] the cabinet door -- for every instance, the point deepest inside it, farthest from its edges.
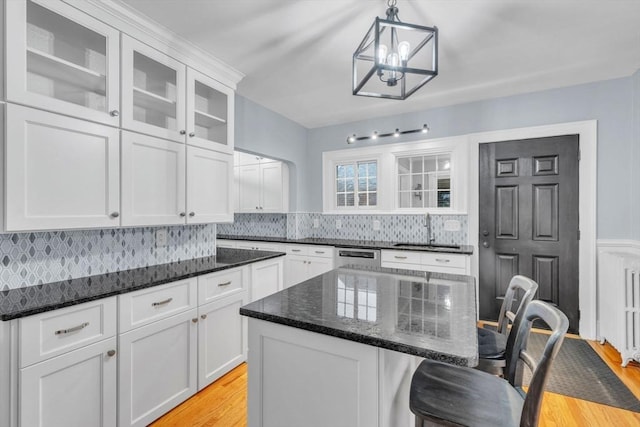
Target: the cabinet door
(210, 109)
(317, 266)
(153, 91)
(157, 370)
(61, 59)
(266, 278)
(271, 187)
(249, 185)
(153, 180)
(222, 341)
(209, 186)
(296, 269)
(77, 389)
(60, 172)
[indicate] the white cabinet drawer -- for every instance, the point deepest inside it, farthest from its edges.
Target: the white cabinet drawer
(321, 251)
(408, 257)
(212, 286)
(148, 305)
(49, 334)
(444, 260)
(297, 250)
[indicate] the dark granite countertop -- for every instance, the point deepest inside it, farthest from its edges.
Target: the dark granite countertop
(30, 300)
(357, 244)
(424, 314)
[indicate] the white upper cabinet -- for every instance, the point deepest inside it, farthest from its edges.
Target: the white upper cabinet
(209, 186)
(262, 186)
(210, 108)
(60, 172)
(61, 59)
(153, 91)
(153, 180)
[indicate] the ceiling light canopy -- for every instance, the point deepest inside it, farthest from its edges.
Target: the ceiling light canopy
(395, 59)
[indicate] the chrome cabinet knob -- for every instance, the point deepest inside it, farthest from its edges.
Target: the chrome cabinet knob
(111, 353)
(192, 134)
(204, 316)
(183, 214)
(194, 320)
(192, 214)
(114, 113)
(183, 132)
(114, 214)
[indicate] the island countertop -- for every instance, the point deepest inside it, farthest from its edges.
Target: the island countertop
(425, 314)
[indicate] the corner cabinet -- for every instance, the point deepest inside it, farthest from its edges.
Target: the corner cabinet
(61, 59)
(60, 172)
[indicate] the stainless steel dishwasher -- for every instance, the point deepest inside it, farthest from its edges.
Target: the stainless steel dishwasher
(369, 257)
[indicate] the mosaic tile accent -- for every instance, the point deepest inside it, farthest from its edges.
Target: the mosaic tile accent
(256, 224)
(28, 259)
(393, 228)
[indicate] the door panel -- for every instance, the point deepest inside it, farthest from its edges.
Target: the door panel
(529, 221)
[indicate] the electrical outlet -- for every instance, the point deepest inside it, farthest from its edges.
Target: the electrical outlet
(376, 225)
(338, 224)
(452, 225)
(161, 237)
(316, 223)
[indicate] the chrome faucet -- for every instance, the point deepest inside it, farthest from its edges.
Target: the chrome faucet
(427, 223)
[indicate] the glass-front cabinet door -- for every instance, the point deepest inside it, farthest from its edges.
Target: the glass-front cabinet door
(210, 107)
(153, 91)
(61, 59)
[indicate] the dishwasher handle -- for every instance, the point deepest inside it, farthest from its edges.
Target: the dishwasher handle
(357, 254)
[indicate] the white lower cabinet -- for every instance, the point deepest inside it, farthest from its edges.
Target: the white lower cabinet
(76, 389)
(157, 368)
(222, 337)
(304, 262)
(438, 262)
(267, 277)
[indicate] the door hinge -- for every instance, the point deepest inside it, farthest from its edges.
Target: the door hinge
(578, 234)
(579, 155)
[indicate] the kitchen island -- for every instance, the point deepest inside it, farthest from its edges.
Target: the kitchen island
(339, 349)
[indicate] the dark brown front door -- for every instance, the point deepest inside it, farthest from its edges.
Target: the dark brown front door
(529, 221)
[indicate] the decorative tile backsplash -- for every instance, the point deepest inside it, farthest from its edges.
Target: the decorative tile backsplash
(393, 228)
(28, 259)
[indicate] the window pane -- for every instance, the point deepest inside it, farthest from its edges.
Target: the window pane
(430, 163)
(404, 182)
(341, 185)
(350, 171)
(373, 184)
(349, 183)
(404, 165)
(416, 182)
(373, 169)
(362, 169)
(340, 200)
(416, 199)
(340, 171)
(350, 200)
(430, 199)
(444, 162)
(373, 199)
(444, 199)
(444, 183)
(416, 164)
(362, 184)
(362, 199)
(404, 199)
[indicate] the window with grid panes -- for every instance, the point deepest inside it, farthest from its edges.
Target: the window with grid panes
(357, 184)
(424, 181)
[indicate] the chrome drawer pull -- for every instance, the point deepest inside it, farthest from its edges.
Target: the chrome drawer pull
(319, 252)
(295, 250)
(159, 303)
(225, 283)
(400, 257)
(442, 260)
(74, 329)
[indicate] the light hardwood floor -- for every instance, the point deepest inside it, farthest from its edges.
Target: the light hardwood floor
(224, 403)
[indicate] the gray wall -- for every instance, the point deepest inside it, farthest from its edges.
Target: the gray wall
(610, 102)
(261, 131)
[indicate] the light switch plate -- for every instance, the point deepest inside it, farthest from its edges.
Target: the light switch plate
(338, 224)
(452, 225)
(376, 225)
(161, 237)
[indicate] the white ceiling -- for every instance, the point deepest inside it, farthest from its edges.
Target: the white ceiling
(296, 54)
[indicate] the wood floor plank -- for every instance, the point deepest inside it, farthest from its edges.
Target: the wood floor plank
(224, 403)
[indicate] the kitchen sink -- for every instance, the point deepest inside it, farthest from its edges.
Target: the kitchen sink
(426, 246)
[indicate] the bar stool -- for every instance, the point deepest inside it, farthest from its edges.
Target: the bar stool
(444, 394)
(492, 344)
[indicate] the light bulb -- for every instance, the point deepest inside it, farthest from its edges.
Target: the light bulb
(393, 60)
(375, 135)
(403, 50)
(425, 128)
(351, 138)
(396, 133)
(382, 53)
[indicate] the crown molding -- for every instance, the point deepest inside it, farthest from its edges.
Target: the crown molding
(130, 21)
